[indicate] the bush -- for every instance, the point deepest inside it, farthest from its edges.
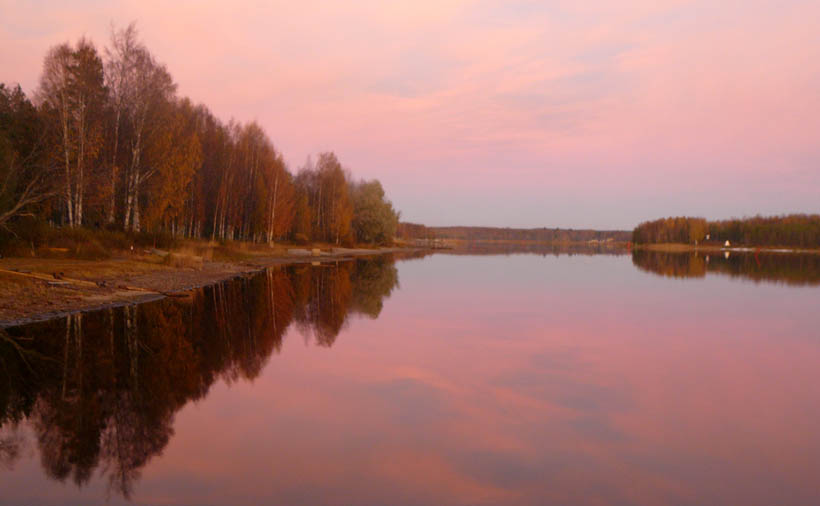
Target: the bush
(28, 235)
(161, 240)
(183, 261)
(90, 250)
(11, 246)
(32, 231)
(348, 241)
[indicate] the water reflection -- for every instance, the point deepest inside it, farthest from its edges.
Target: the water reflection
(788, 268)
(486, 380)
(100, 390)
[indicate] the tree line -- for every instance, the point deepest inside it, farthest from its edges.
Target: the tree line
(552, 235)
(106, 141)
(794, 230)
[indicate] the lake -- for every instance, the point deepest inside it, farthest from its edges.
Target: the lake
(532, 378)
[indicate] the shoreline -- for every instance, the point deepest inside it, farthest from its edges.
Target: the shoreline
(710, 248)
(29, 293)
(39, 289)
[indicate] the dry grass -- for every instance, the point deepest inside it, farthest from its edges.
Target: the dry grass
(183, 261)
(229, 251)
(85, 269)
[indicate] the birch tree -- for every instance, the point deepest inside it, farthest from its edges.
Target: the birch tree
(144, 87)
(72, 93)
(119, 63)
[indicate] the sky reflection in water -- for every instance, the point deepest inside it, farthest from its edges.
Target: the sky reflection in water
(485, 379)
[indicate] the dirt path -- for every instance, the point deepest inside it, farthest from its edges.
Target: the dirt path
(39, 289)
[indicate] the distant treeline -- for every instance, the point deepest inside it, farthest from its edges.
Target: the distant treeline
(107, 142)
(407, 230)
(794, 230)
(535, 248)
(557, 235)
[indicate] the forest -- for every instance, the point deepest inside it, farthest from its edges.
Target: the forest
(552, 235)
(106, 142)
(794, 230)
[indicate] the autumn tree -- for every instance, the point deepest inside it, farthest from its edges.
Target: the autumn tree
(326, 188)
(72, 94)
(118, 70)
(126, 149)
(302, 212)
(24, 175)
(174, 153)
(280, 198)
(795, 230)
(374, 219)
(143, 90)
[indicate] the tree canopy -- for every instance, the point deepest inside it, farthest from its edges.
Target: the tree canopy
(109, 142)
(794, 230)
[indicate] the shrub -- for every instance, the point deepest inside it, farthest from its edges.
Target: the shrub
(161, 240)
(11, 246)
(90, 250)
(183, 261)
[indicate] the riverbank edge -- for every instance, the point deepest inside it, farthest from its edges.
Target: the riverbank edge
(691, 248)
(146, 293)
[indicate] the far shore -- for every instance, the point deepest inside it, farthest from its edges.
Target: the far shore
(717, 248)
(36, 289)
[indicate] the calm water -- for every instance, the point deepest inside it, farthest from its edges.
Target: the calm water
(448, 379)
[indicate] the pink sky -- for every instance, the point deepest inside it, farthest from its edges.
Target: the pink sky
(574, 114)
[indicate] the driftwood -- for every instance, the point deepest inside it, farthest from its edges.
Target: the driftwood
(51, 278)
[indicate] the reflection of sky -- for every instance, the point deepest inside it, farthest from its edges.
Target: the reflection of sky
(560, 113)
(516, 380)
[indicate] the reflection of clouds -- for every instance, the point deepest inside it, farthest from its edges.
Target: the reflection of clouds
(412, 402)
(457, 408)
(609, 393)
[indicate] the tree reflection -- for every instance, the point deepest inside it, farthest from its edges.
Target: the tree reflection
(100, 390)
(789, 268)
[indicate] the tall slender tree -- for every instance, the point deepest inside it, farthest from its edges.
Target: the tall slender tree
(72, 93)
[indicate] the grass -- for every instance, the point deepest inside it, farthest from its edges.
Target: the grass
(38, 239)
